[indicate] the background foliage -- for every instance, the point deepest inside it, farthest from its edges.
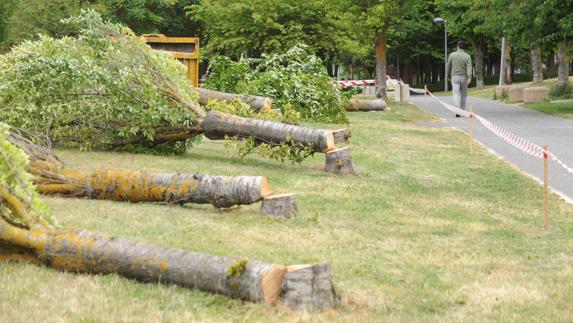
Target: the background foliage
(295, 79)
(92, 89)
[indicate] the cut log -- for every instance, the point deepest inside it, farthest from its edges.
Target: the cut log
(283, 205)
(218, 125)
(87, 252)
(133, 186)
(52, 176)
(309, 288)
(339, 161)
(258, 103)
(341, 136)
(367, 105)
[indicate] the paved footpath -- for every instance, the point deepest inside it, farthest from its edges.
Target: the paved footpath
(537, 127)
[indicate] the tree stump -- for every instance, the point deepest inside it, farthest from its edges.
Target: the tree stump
(309, 288)
(339, 161)
(341, 136)
(283, 205)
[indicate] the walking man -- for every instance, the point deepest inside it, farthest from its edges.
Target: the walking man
(459, 70)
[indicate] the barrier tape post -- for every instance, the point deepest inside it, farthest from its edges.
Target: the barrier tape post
(471, 133)
(545, 188)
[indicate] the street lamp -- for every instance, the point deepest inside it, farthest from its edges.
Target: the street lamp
(440, 20)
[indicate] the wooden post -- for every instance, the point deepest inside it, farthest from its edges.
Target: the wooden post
(471, 132)
(546, 187)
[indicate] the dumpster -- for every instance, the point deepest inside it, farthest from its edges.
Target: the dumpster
(184, 49)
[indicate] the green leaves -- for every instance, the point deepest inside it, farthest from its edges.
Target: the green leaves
(296, 78)
(96, 89)
(14, 180)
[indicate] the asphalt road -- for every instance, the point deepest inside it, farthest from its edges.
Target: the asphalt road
(537, 127)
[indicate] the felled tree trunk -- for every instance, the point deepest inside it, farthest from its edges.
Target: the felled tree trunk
(52, 176)
(133, 186)
(258, 103)
(536, 62)
(563, 69)
(217, 125)
(367, 105)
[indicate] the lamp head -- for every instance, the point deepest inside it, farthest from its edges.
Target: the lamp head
(438, 20)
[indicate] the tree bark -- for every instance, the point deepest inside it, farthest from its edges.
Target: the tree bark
(339, 161)
(507, 73)
(52, 176)
(367, 105)
(217, 125)
(536, 62)
(341, 136)
(258, 103)
(563, 71)
(478, 53)
(380, 50)
(82, 251)
(309, 288)
(135, 187)
(283, 205)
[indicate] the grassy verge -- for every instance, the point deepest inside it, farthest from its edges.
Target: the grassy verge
(561, 109)
(425, 232)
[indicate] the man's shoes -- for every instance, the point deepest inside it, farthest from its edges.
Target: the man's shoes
(457, 115)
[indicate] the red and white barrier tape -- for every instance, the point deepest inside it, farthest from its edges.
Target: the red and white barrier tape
(519, 142)
(356, 83)
(362, 83)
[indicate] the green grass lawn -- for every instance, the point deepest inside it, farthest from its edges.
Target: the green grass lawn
(561, 109)
(425, 232)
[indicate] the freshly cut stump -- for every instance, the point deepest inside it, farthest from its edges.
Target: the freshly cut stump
(341, 136)
(339, 161)
(515, 94)
(258, 103)
(367, 105)
(309, 288)
(283, 205)
(535, 94)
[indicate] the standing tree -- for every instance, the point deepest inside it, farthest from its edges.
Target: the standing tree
(371, 22)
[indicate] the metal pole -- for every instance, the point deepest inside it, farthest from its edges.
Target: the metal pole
(446, 55)
(502, 63)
